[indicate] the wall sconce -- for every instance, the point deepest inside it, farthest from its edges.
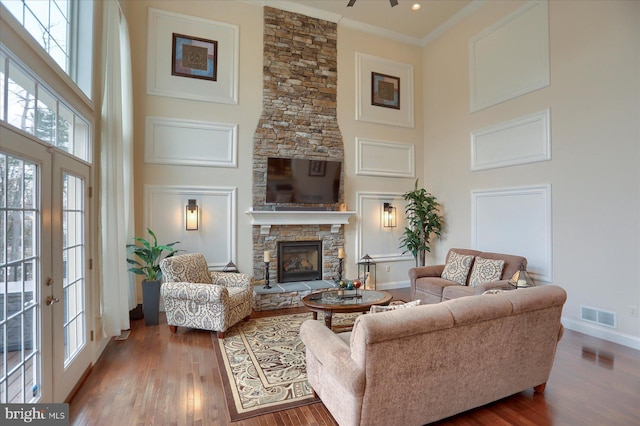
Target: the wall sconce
(388, 216)
(191, 216)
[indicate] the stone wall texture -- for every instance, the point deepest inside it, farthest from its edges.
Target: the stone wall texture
(298, 120)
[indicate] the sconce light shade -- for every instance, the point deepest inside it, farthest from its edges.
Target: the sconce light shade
(191, 216)
(388, 216)
(521, 279)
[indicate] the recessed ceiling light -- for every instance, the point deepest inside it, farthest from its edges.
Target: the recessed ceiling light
(416, 6)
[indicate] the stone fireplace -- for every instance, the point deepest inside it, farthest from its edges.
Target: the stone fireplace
(298, 121)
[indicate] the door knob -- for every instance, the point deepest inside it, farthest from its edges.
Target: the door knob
(51, 300)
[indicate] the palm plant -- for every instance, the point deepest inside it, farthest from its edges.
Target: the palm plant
(149, 254)
(423, 222)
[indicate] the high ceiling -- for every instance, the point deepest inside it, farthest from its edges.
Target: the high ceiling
(403, 21)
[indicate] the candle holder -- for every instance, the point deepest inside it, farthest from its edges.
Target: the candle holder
(266, 275)
(339, 269)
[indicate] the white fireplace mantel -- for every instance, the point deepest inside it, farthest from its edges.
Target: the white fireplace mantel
(266, 219)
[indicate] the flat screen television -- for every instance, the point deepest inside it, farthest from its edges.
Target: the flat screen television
(300, 181)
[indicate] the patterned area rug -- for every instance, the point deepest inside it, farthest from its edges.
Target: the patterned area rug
(262, 362)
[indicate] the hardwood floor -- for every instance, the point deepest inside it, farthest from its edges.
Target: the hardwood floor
(157, 378)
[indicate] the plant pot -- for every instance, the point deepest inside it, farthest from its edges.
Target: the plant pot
(151, 301)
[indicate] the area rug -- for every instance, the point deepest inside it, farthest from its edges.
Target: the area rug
(262, 362)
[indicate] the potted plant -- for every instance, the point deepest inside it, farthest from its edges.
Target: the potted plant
(149, 255)
(423, 221)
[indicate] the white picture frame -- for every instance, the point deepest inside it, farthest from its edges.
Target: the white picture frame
(523, 140)
(372, 237)
(511, 57)
(162, 25)
(165, 205)
(365, 109)
(497, 218)
(190, 142)
(385, 158)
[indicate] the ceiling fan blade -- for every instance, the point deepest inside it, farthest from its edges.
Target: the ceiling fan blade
(351, 3)
(393, 2)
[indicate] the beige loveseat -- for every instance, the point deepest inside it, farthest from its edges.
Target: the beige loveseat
(417, 365)
(428, 285)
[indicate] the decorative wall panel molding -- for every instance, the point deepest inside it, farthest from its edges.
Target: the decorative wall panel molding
(189, 142)
(161, 26)
(365, 110)
(384, 158)
(523, 140)
(511, 57)
(165, 208)
(381, 243)
(515, 221)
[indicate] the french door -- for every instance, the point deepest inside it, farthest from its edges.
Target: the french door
(44, 344)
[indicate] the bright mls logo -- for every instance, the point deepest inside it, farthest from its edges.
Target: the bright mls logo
(38, 414)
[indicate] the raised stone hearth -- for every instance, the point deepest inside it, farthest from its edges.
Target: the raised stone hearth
(285, 295)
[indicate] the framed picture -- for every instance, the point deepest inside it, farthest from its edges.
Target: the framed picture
(317, 168)
(379, 92)
(194, 57)
(385, 90)
(221, 84)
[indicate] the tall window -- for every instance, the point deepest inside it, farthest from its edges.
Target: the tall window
(48, 22)
(64, 29)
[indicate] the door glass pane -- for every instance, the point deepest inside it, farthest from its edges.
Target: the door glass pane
(73, 265)
(19, 269)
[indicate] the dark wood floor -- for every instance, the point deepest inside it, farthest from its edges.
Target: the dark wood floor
(157, 378)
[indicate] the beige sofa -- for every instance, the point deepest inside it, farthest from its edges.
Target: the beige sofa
(417, 365)
(428, 286)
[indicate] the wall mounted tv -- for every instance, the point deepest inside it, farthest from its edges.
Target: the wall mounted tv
(300, 181)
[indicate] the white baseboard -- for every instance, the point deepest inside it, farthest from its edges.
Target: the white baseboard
(392, 285)
(632, 342)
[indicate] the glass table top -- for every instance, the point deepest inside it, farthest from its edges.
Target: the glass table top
(334, 297)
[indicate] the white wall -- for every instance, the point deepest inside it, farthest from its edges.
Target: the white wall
(593, 99)
(166, 177)
(195, 181)
(365, 192)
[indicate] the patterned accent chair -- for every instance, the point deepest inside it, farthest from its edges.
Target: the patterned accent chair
(197, 298)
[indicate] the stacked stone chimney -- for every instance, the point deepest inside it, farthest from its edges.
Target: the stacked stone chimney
(298, 120)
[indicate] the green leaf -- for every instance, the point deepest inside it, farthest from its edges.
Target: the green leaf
(423, 221)
(148, 255)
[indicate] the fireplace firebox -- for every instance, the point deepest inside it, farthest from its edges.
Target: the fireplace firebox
(299, 261)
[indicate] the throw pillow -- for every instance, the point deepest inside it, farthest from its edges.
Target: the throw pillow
(493, 291)
(376, 308)
(485, 270)
(457, 268)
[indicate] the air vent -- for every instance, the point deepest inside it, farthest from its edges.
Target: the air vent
(599, 316)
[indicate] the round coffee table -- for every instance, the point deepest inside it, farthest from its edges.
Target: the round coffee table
(329, 302)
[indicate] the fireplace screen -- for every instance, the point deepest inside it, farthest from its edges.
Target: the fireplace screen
(299, 261)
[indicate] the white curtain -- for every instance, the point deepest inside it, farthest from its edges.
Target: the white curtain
(118, 291)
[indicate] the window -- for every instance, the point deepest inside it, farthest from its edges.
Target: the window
(33, 107)
(64, 29)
